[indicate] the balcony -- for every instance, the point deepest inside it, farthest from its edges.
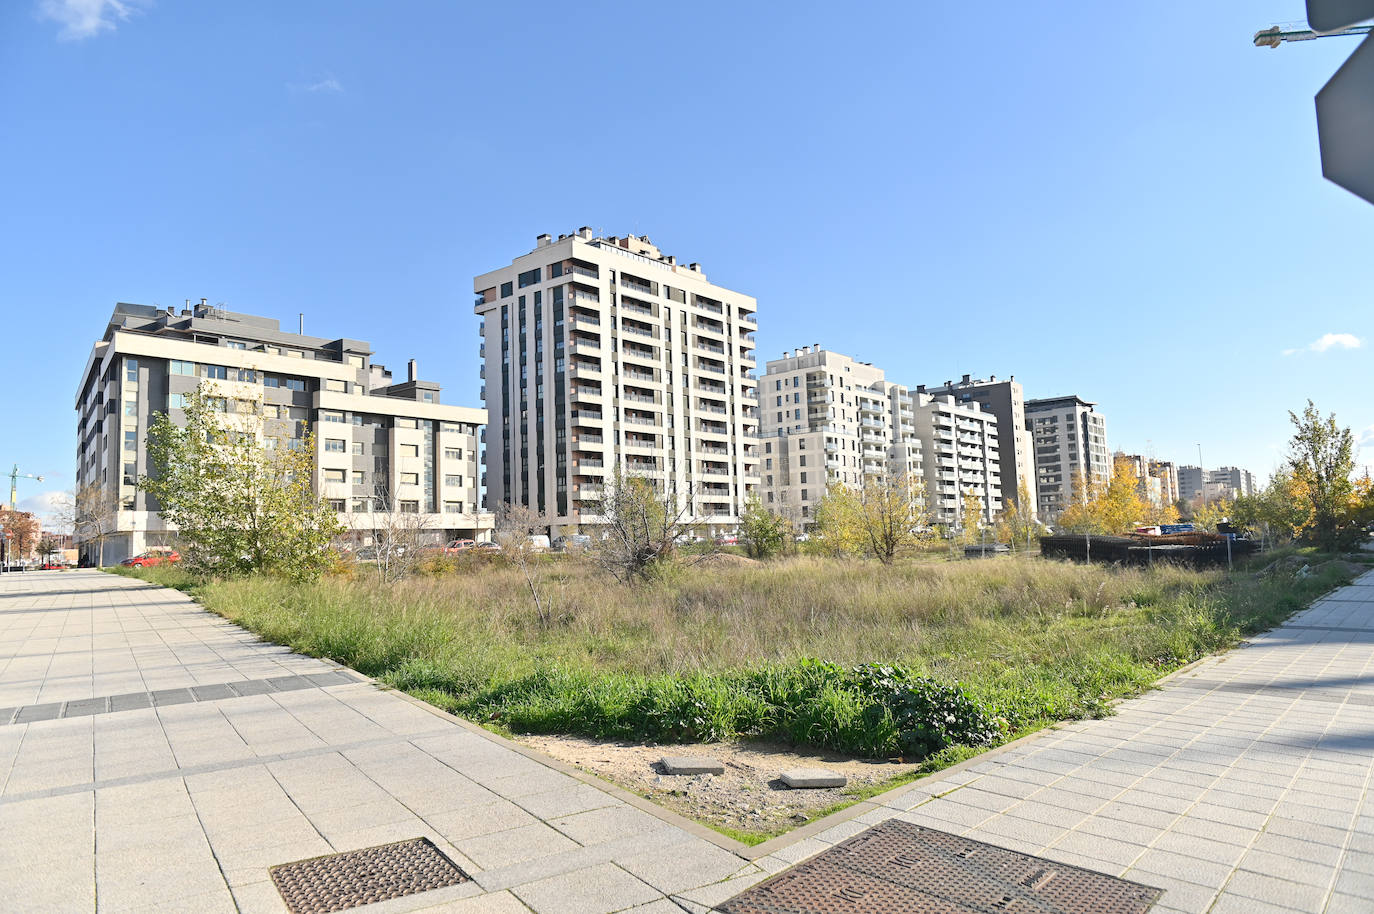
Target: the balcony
(709, 346)
(586, 322)
(579, 295)
(590, 272)
(638, 330)
(704, 366)
(580, 416)
(639, 398)
(639, 420)
(631, 284)
(748, 317)
(585, 346)
(708, 304)
(590, 464)
(579, 441)
(704, 325)
(631, 374)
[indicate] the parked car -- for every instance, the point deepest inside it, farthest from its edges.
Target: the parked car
(158, 555)
(457, 546)
(727, 540)
(572, 542)
(487, 547)
(539, 542)
(51, 566)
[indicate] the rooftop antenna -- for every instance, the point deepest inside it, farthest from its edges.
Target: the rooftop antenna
(301, 315)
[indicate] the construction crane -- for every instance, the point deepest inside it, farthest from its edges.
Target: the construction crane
(15, 476)
(1298, 31)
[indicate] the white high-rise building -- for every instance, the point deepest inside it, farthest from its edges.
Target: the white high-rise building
(829, 418)
(1005, 400)
(604, 353)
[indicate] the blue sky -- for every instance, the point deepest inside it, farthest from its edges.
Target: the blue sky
(1121, 201)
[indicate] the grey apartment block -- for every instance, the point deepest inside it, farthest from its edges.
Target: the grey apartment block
(1198, 485)
(603, 353)
(381, 446)
(1070, 441)
(1006, 400)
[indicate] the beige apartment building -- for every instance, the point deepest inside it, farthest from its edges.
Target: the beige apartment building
(382, 448)
(830, 418)
(604, 352)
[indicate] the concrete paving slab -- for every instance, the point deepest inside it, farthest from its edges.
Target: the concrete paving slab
(812, 778)
(690, 764)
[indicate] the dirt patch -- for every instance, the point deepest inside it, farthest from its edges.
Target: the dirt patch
(748, 797)
(726, 560)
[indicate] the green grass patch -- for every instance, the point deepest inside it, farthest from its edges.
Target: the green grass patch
(925, 660)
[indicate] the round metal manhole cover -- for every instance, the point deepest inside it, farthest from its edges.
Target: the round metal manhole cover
(342, 881)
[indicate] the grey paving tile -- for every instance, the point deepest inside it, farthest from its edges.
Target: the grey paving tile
(595, 890)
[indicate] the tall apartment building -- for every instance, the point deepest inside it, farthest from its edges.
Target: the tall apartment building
(1070, 440)
(381, 447)
(1239, 481)
(829, 418)
(1166, 471)
(605, 352)
(1005, 400)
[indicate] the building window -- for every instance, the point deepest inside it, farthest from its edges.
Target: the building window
(246, 374)
(361, 506)
(335, 476)
(337, 504)
(131, 370)
(359, 478)
(427, 396)
(130, 474)
(293, 383)
(453, 480)
(357, 448)
(215, 372)
(410, 450)
(409, 507)
(183, 368)
(410, 479)
(336, 386)
(507, 289)
(529, 277)
(453, 453)
(334, 445)
(327, 415)
(451, 427)
(453, 507)
(406, 423)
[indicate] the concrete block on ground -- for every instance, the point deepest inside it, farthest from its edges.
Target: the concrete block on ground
(684, 764)
(810, 778)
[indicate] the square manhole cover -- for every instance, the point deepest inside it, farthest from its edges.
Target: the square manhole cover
(342, 881)
(901, 868)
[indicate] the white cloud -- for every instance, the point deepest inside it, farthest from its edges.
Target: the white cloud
(1367, 437)
(1330, 341)
(47, 505)
(325, 85)
(86, 18)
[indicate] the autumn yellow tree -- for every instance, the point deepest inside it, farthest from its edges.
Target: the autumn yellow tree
(884, 518)
(1112, 507)
(1016, 523)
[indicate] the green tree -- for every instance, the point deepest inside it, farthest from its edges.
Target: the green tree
(642, 524)
(761, 532)
(1321, 455)
(241, 503)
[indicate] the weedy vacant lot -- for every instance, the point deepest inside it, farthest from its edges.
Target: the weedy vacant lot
(874, 660)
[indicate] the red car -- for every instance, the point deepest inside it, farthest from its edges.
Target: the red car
(155, 556)
(458, 546)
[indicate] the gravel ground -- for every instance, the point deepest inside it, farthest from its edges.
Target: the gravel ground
(747, 797)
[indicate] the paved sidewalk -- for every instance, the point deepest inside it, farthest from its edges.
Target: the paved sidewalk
(155, 757)
(163, 759)
(1241, 787)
